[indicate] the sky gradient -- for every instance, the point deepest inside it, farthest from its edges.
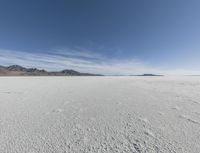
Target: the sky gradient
(102, 36)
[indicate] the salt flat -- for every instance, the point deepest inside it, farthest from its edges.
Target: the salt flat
(100, 114)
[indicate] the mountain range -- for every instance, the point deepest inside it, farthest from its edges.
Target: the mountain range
(17, 70)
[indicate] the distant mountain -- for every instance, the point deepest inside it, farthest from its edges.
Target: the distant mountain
(149, 75)
(17, 70)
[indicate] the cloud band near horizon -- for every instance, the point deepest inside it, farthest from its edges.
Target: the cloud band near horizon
(83, 61)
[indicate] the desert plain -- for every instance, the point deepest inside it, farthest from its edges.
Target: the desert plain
(100, 114)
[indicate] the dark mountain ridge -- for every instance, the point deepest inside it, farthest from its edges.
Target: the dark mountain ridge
(17, 70)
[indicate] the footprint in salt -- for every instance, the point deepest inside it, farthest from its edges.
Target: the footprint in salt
(161, 113)
(118, 103)
(176, 108)
(187, 118)
(145, 120)
(149, 133)
(195, 102)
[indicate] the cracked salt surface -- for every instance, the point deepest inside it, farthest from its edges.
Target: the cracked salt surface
(99, 114)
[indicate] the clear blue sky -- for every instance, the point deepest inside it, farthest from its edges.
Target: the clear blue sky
(103, 36)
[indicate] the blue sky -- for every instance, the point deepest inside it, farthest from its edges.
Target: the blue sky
(102, 36)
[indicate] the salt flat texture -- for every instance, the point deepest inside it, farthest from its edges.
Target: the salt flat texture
(99, 114)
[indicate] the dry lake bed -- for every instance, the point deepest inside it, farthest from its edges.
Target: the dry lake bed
(100, 114)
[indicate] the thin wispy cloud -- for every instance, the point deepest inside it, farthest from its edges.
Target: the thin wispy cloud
(77, 52)
(81, 60)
